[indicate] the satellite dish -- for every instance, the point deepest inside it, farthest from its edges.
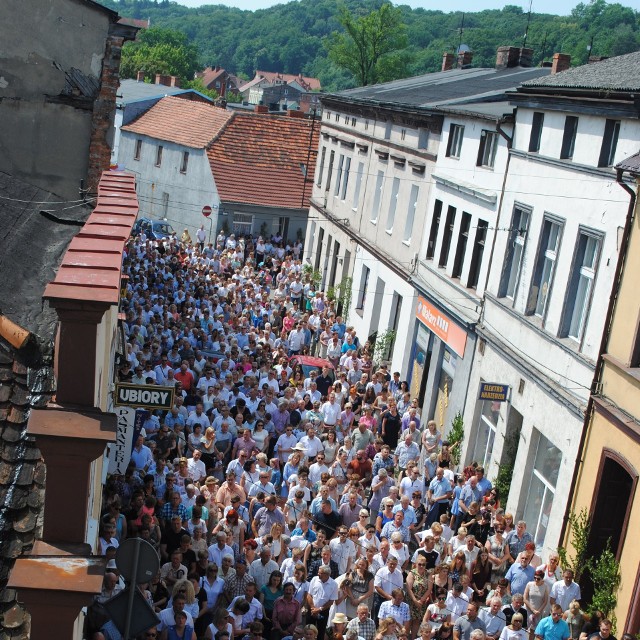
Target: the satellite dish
(463, 47)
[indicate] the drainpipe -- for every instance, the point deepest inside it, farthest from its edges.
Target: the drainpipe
(624, 246)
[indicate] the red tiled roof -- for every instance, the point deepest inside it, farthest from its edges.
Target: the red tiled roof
(90, 269)
(310, 84)
(210, 75)
(257, 160)
(191, 124)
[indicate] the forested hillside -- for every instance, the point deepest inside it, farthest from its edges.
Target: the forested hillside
(291, 37)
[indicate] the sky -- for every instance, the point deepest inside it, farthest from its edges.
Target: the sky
(560, 7)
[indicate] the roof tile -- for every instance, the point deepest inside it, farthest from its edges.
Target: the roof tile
(258, 159)
(191, 124)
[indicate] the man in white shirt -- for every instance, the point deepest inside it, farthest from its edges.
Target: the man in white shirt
(457, 601)
(565, 590)
(387, 579)
(196, 468)
(343, 551)
(323, 592)
(262, 567)
(310, 444)
(330, 411)
(285, 444)
(317, 468)
(167, 616)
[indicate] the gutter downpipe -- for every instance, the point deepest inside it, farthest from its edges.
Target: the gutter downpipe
(624, 247)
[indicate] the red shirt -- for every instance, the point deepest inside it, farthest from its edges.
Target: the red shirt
(186, 378)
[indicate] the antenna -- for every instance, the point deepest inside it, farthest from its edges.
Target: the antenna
(526, 32)
(461, 32)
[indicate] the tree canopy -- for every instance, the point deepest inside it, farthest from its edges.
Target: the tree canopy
(367, 46)
(294, 37)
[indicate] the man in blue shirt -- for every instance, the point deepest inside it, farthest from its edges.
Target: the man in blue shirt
(553, 627)
(519, 574)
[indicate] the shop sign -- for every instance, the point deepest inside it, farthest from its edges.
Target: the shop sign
(440, 324)
(494, 392)
(151, 397)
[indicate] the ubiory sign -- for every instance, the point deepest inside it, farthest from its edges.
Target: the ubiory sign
(149, 397)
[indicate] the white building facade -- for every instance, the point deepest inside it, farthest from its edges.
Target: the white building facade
(554, 256)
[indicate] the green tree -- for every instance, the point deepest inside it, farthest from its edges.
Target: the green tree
(366, 42)
(159, 50)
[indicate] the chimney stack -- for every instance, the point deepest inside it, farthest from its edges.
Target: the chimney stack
(464, 59)
(447, 61)
(140, 76)
(507, 57)
(295, 113)
(174, 81)
(261, 108)
(561, 62)
(594, 59)
(526, 57)
(163, 79)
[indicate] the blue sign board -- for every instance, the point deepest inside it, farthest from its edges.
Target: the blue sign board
(494, 392)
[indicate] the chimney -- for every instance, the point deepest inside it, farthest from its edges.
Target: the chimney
(594, 59)
(447, 61)
(217, 67)
(140, 76)
(261, 108)
(561, 62)
(163, 79)
(174, 81)
(464, 59)
(507, 57)
(526, 57)
(295, 113)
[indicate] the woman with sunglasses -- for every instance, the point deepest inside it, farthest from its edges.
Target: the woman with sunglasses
(536, 598)
(418, 592)
(498, 551)
(514, 631)
(437, 613)
(384, 515)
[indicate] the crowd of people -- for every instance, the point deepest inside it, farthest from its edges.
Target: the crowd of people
(294, 490)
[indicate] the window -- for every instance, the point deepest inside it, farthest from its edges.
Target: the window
(446, 236)
(609, 143)
(536, 132)
(403, 134)
(242, 223)
(393, 204)
(433, 232)
(328, 183)
(137, 152)
(185, 162)
(463, 237)
(544, 268)
(487, 150)
(159, 155)
(353, 122)
(423, 138)
(580, 287)
(477, 253)
(328, 115)
(323, 153)
(454, 144)
(515, 252)
(345, 178)
(377, 196)
(411, 213)
(338, 184)
(337, 117)
(542, 487)
(362, 291)
(569, 137)
(366, 125)
(356, 191)
(486, 432)
(387, 130)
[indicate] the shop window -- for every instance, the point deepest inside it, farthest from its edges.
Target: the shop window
(542, 487)
(445, 387)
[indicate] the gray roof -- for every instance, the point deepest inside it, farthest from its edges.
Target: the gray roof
(621, 73)
(132, 90)
(631, 164)
(447, 87)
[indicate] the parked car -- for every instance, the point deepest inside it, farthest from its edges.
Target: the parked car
(309, 363)
(154, 229)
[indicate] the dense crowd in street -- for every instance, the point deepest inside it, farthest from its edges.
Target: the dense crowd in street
(295, 490)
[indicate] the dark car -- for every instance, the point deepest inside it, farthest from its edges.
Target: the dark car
(153, 229)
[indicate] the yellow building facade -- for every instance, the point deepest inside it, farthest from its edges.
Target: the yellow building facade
(607, 473)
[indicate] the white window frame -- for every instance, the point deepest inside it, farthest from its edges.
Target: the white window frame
(393, 204)
(377, 197)
(358, 188)
(454, 143)
(411, 214)
(338, 184)
(345, 178)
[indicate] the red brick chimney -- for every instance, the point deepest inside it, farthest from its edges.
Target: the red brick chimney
(464, 59)
(174, 81)
(561, 62)
(507, 57)
(525, 57)
(163, 79)
(448, 60)
(261, 108)
(295, 113)
(140, 76)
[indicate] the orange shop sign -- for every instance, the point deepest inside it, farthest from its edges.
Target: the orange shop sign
(447, 330)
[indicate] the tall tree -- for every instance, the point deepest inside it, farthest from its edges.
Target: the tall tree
(366, 42)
